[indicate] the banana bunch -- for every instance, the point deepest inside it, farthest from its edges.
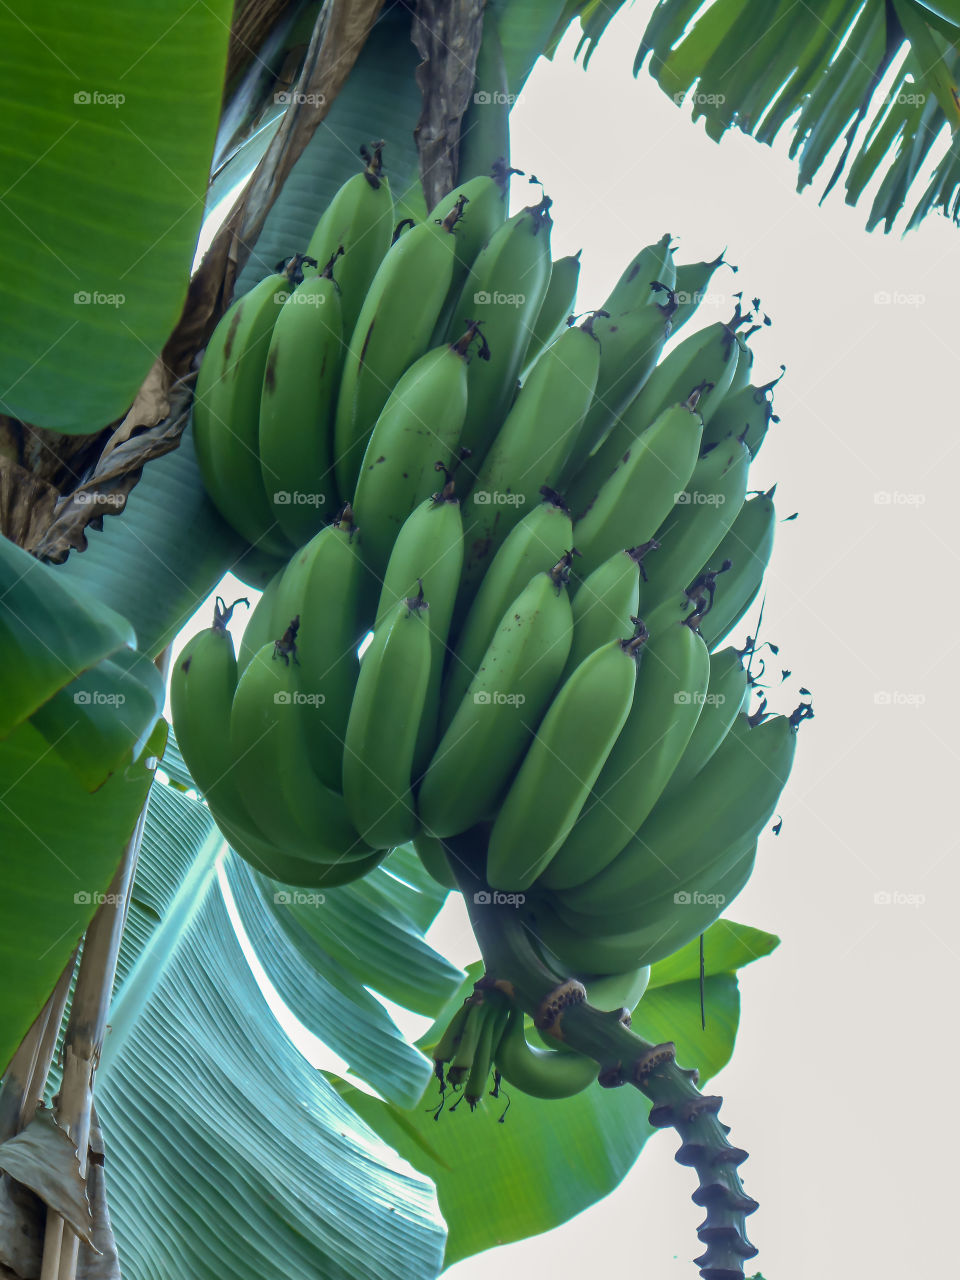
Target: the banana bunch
(537, 530)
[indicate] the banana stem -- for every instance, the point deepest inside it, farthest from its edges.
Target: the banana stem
(512, 965)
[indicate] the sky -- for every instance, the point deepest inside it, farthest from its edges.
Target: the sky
(839, 1085)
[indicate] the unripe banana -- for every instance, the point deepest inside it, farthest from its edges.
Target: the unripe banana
(329, 587)
(701, 518)
(485, 209)
(672, 679)
(630, 346)
(300, 384)
(747, 415)
(359, 220)
(428, 556)
(493, 1021)
(384, 724)
(226, 411)
(654, 264)
(639, 495)
(417, 430)
(562, 763)
(557, 307)
(705, 361)
(433, 857)
(294, 811)
(530, 447)
(725, 695)
(504, 702)
(504, 290)
(618, 990)
(541, 537)
(604, 604)
(747, 549)
(691, 283)
(730, 800)
(394, 327)
(262, 625)
(446, 1046)
(541, 1073)
(461, 1064)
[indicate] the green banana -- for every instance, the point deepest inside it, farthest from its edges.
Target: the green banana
(428, 556)
(461, 1064)
(747, 548)
(485, 210)
(747, 414)
(726, 691)
(556, 310)
(541, 537)
(630, 346)
(433, 857)
(417, 431)
(654, 264)
(287, 803)
(261, 626)
(541, 1073)
(300, 384)
(604, 604)
(226, 410)
(504, 702)
(564, 946)
(700, 519)
(202, 684)
(671, 682)
(359, 220)
(730, 800)
(329, 587)
(692, 282)
(384, 726)
(504, 291)
(446, 1046)
(639, 494)
(618, 990)
(393, 329)
(530, 447)
(571, 746)
(705, 361)
(741, 375)
(493, 1021)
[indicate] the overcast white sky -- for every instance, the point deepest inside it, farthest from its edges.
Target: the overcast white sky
(839, 1087)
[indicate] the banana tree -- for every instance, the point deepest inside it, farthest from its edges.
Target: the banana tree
(123, 912)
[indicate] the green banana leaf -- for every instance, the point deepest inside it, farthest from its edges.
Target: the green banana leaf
(380, 99)
(112, 115)
(228, 1156)
(61, 847)
(159, 560)
(594, 1138)
(756, 65)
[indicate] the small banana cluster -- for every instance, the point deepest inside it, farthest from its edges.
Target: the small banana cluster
(541, 533)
